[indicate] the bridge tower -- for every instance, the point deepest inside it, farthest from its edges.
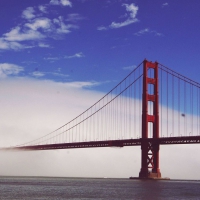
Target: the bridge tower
(150, 149)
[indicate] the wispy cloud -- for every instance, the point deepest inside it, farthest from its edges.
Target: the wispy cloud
(43, 45)
(38, 27)
(62, 27)
(38, 74)
(132, 10)
(28, 13)
(165, 4)
(10, 45)
(132, 67)
(48, 75)
(102, 28)
(87, 84)
(77, 55)
(16, 34)
(51, 58)
(58, 74)
(74, 17)
(39, 23)
(42, 8)
(148, 31)
(61, 2)
(7, 69)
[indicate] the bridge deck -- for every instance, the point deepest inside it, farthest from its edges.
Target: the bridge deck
(110, 143)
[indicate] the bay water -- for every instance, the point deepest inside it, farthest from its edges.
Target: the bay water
(46, 188)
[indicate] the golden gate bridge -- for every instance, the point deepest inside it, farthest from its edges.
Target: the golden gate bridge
(151, 106)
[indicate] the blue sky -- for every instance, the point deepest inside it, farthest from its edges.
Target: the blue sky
(94, 43)
(58, 57)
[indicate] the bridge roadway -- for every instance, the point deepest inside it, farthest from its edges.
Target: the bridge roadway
(110, 143)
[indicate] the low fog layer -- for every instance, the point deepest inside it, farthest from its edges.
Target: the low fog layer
(31, 109)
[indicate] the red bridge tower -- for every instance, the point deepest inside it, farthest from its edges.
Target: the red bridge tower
(150, 149)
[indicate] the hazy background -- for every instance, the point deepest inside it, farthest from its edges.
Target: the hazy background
(32, 108)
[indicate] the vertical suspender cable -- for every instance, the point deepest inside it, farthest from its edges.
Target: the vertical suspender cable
(140, 104)
(124, 131)
(173, 104)
(192, 109)
(135, 107)
(161, 105)
(185, 108)
(198, 111)
(129, 109)
(167, 104)
(179, 106)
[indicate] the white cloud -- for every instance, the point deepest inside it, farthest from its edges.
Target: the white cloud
(58, 74)
(54, 2)
(16, 34)
(130, 67)
(52, 58)
(43, 23)
(125, 23)
(132, 10)
(10, 45)
(165, 4)
(143, 31)
(74, 17)
(62, 27)
(79, 84)
(42, 8)
(28, 13)
(43, 45)
(4, 44)
(38, 74)
(61, 2)
(16, 46)
(7, 69)
(101, 28)
(66, 3)
(38, 28)
(76, 55)
(147, 30)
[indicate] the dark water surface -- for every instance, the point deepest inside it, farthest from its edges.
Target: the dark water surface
(83, 188)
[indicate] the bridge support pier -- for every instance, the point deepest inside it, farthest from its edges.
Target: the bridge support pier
(150, 160)
(150, 149)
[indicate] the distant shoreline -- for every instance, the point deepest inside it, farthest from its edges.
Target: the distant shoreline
(59, 177)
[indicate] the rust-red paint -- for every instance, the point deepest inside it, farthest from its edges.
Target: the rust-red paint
(150, 149)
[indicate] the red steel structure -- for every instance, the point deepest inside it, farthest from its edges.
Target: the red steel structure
(150, 149)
